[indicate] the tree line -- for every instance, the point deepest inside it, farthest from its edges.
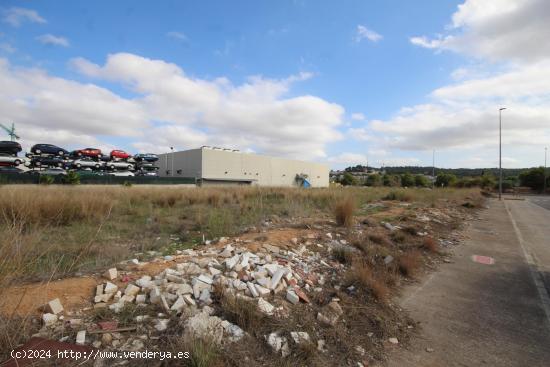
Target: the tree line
(487, 179)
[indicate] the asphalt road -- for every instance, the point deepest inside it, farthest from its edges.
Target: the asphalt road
(543, 201)
(474, 314)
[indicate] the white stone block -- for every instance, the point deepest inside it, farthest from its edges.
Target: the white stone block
(111, 274)
(131, 290)
(292, 297)
(81, 337)
(110, 288)
(55, 306)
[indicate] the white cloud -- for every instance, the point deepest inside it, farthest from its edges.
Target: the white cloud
(51, 109)
(177, 36)
(365, 33)
(361, 134)
(497, 30)
(50, 39)
(425, 42)
(463, 117)
(16, 16)
(357, 116)
(7, 48)
(168, 108)
(347, 159)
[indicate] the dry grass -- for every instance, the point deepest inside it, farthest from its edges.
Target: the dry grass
(431, 245)
(409, 263)
(241, 312)
(344, 254)
(344, 211)
(362, 275)
(380, 239)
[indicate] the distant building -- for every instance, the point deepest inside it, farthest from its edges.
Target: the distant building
(217, 166)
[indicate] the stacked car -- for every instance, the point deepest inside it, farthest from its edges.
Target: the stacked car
(48, 156)
(8, 154)
(145, 164)
(54, 160)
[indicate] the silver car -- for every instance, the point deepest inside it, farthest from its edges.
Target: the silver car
(87, 163)
(16, 161)
(119, 165)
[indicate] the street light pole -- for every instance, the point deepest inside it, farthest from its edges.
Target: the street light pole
(433, 169)
(500, 152)
(172, 170)
(545, 151)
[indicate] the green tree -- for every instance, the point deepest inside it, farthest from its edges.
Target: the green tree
(445, 180)
(421, 181)
(487, 181)
(348, 179)
(407, 180)
(391, 180)
(46, 179)
(71, 178)
(534, 178)
(374, 180)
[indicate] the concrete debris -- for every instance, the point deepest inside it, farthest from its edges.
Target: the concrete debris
(321, 345)
(161, 324)
(111, 274)
(292, 297)
(110, 288)
(278, 343)
(272, 277)
(390, 226)
(49, 319)
(299, 336)
(265, 307)
(81, 337)
(203, 325)
(55, 306)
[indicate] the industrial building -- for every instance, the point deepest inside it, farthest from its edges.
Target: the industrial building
(215, 166)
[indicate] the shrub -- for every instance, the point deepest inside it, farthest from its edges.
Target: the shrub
(46, 179)
(421, 181)
(445, 180)
(363, 276)
(399, 195)
(430, 244)
(343, 212)
(407, 180)
(374, 180)
(391, 180)
(343, 255)
(71, 178)
(409, 263)
(533, 178)
(348, 179)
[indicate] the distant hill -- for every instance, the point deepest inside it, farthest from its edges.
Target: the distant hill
(459, 172)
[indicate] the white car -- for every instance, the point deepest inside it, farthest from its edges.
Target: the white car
(87, 163)
(119, 165)
(16, 161)
(122, 174)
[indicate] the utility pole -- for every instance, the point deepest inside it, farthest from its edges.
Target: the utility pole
(433, 169)
(545, 151)
(172, 170)
(500, 152)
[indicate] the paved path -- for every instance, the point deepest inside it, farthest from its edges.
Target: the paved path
(487, 315)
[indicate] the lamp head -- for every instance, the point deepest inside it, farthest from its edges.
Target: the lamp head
(502, 108)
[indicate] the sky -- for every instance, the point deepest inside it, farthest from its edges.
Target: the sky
(339, 82)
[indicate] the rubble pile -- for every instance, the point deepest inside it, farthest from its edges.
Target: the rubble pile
(184, 291)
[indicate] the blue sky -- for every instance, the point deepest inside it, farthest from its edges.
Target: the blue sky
(336, 82)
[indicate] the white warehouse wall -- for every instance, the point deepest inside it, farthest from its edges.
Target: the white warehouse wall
(217, 165)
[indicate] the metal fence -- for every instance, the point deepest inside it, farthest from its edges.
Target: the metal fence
(97, 180)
